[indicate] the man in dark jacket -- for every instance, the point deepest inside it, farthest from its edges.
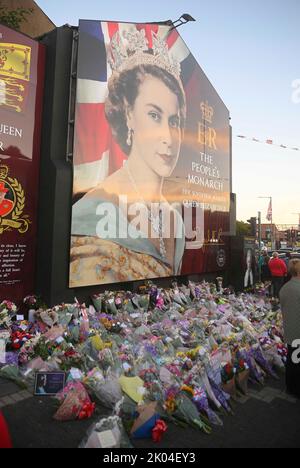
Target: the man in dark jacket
(288, 258)
(290, 305)
(264, 266)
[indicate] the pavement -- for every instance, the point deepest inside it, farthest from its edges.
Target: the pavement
(266, 418)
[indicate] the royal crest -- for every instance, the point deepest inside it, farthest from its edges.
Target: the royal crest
(12, 204)
(15, 63)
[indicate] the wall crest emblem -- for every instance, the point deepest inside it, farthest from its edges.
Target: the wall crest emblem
(12, 204)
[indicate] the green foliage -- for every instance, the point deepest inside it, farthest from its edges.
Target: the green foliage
(14, 18)
(243, 229)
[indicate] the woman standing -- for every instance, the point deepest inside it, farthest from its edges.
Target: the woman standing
(278, 271)
(5, 440)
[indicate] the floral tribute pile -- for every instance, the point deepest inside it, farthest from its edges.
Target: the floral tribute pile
(184, 355)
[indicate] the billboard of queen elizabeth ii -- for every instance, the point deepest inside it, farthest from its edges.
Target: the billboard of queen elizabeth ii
(151, 156)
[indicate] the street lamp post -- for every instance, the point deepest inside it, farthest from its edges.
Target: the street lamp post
(298, 214)
(297, 232)
(185, 18)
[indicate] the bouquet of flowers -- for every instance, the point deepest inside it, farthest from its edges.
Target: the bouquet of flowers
(187, 294)
(19, 338)
(160, 303)
(112, 426)
(242, 375)
(153, 295)
(43, 348)
(106, 359)
(106, 390)
(185, 411)
(144, 301)
(7, 310)
(228, 378)
(177, 297)
(71, 358)
(261, 360)
(110, 324)
(97, 301)
(152, 384)
(256, 374)
(11, 359)
(66, 312)
(195, 290)
(48, 317)
(110, 304)
(282, 351)
(75, 403)
(84, 324)
(33, 302)
(262, 288)
(4, 338)
(127, 303)
(12, 373)
(201, 401)
(275, 358)
(212, 382)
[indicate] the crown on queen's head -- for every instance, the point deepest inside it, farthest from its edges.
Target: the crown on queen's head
(136, 52)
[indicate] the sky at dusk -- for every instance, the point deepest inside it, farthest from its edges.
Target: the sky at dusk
(250, 52)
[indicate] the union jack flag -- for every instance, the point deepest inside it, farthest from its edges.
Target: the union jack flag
(270, 212)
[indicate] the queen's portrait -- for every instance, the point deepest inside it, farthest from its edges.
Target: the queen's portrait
(146, 110)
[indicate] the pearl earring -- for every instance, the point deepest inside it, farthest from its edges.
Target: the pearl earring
(129, 137)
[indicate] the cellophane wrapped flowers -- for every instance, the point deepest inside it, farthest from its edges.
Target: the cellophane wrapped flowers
(187, 349)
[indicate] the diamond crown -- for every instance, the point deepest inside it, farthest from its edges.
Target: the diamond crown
(134, 50)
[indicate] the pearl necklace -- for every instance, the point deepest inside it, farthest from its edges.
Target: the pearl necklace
(155, 221)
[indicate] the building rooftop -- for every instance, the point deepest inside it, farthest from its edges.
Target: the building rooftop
(37, 22)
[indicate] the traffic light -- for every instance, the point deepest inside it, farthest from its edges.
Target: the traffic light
(253, 223)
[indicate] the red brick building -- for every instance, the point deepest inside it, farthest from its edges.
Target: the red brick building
(37, 22)
(281, 233)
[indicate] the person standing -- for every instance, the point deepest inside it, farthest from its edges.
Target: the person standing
(5, 440)
(288, 258)
(264, 266)
(290, 305)
(278, 272)
(249, 278)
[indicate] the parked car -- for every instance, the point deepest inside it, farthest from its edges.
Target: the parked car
(295, 255)
(281, 254)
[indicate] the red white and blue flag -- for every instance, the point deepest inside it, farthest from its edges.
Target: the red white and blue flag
(270, 212)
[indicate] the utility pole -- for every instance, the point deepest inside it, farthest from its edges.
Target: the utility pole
(296, 233)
